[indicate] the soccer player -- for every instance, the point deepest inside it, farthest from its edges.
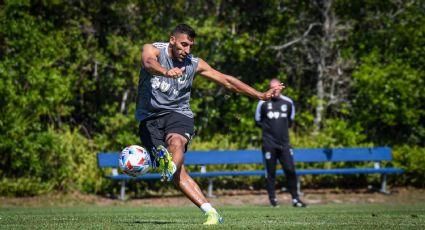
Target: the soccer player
(275, 117)
(166, 120)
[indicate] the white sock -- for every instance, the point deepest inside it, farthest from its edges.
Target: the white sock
(206, 207)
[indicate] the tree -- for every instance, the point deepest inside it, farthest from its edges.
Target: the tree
(320, 43)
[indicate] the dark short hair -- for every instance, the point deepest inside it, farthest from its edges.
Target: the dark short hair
(184, 29)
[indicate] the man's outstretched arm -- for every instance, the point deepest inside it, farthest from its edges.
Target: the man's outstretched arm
(232, 83)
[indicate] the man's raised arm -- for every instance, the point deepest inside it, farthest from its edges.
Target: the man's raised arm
(150, 56)
(150, 60)
(233, 84)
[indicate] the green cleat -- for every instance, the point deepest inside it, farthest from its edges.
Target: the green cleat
(164, 159)
(213, 218)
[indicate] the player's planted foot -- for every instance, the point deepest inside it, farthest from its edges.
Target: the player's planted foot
(274, 203)
(165, 164)
(297, 203)
(213, 218)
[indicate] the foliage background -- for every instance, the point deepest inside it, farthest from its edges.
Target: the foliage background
(69, 73)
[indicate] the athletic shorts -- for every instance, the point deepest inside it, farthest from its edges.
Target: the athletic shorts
(152, 131)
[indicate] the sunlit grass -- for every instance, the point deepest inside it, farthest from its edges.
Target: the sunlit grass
(331, 216)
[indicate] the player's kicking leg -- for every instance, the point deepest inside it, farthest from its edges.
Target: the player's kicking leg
(186, 184)
(192, 191)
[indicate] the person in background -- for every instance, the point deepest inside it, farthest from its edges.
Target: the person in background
(166, 120)
(275, 117)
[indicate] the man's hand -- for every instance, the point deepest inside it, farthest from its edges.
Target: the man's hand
(174, 72)
(272, 92)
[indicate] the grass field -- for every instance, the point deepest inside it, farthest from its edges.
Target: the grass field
(321, 216)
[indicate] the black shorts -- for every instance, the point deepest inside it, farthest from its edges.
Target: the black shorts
(152, 131)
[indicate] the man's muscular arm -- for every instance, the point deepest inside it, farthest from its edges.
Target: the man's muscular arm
(150, 62)
(232, 83)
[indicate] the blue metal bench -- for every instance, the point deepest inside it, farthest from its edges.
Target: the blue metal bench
(231, 157)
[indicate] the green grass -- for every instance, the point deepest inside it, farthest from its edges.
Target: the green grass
(330, 216)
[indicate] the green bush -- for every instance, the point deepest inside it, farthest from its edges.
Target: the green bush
(61, 160)
(412, 160)
(24, 187)
(64, 160)
(336, 133)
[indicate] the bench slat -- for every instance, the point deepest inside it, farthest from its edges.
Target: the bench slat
(342, 154)
(110, 160)
(300, 155)
(223, 157)
(255, 156)
(229, 157)
(155, 176)
(107, 160)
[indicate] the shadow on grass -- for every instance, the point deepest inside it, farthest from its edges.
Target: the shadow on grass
(157, 222)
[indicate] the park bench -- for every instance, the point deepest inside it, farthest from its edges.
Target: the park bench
(374, 155)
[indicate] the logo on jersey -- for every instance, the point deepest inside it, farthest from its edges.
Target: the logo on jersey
(284, 108)
(276, 115)
(164, 86)
(161, 85)
(267, 155)
(269, 106)
(175, 92)
(273, 115)
(155, 82)
(181, 80)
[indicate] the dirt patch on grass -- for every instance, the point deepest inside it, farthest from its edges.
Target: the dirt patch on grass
(225, 197)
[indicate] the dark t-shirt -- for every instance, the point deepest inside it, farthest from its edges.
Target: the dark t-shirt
(275, 117)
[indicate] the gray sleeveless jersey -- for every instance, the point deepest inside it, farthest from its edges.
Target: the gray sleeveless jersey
(159, 95)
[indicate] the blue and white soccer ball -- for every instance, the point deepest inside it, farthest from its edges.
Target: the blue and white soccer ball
(134, 160)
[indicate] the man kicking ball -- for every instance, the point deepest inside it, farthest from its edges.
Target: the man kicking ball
(163, 110)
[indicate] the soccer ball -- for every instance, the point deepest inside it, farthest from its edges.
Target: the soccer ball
(134, 160)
